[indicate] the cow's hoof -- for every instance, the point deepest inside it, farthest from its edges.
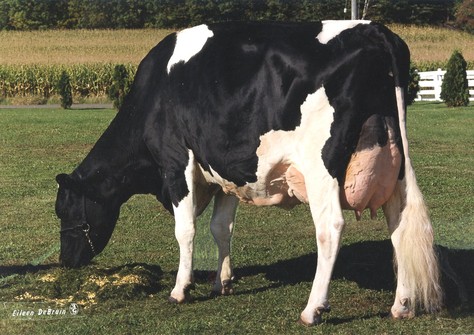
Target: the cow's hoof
(224, 289)
(187, 298)
(315, 318)
(174, 301)
(402, 310)
(227, 287)
(316, 321)
(181, 298)
(399, 315)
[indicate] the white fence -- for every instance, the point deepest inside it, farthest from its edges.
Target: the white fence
(430, 85)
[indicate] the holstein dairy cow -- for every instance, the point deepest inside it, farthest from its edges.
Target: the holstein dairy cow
(269, 114)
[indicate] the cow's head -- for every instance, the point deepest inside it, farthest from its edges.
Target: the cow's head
(87, 221)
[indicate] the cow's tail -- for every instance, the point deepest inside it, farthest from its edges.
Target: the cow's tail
(415, 251)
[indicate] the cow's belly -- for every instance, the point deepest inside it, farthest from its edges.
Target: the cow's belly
(279, 182)
(370, 178)
(282, 186)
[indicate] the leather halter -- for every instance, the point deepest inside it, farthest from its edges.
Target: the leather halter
(84, 226)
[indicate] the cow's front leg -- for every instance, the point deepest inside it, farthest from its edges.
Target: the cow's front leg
(327, 215)
(185, 220)
(222, 223)
(184, 232)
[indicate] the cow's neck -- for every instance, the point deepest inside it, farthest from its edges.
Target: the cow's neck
(119, 165)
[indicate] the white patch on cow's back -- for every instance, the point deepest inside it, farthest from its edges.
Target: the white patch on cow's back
(188, 43)
(332, 28)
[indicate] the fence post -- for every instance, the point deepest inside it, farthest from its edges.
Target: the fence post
(437, 84)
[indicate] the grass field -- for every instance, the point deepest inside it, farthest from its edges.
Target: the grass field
(427, 44)
(126, 287)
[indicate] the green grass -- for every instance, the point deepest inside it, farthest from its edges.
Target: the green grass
(126, 287)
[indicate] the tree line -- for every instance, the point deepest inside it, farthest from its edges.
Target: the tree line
(113, 14)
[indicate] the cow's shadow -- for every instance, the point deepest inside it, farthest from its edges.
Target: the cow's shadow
(369, 264)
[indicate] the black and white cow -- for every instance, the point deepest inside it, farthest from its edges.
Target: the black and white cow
(269, 114)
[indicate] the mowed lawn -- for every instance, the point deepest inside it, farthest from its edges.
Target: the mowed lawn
(125, 290)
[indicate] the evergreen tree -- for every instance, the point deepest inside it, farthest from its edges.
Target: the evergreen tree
(413, 85)
(65, 90)
(455, 90)
(120, 85)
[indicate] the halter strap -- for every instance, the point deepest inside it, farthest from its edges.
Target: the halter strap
(84, 226)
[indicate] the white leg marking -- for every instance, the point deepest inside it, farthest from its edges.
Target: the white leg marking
(332, 28)
(188, 43)
(222, 224)
(392, 211)
(185, 219)
(323, 197)
(323, 193)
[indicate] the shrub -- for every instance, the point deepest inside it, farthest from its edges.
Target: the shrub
(65, 90)
(120, 85)
(455, 90)
(413, 85)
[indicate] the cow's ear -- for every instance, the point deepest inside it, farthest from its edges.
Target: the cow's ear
(62, 179)
(66, 181)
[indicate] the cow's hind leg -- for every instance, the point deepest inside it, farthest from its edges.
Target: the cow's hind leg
(326, 211)
(392, 209)
(418, 282)
(222, 223)
(415, 258)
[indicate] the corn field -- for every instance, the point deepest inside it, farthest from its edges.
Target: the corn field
(87, 80)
